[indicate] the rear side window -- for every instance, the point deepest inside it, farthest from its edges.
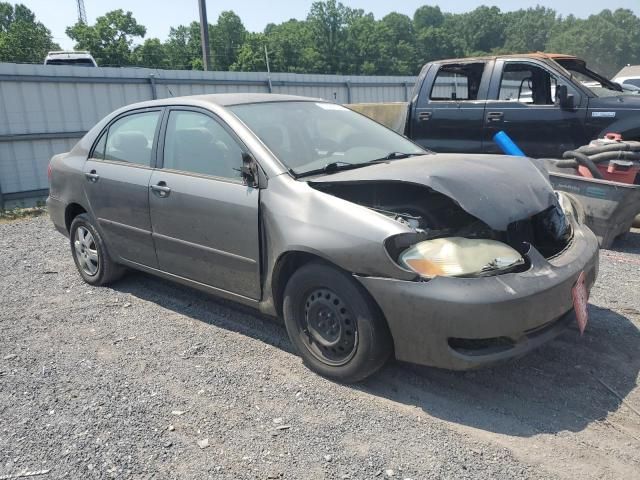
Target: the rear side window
(457, 82)
(130, 139)
(197, 143)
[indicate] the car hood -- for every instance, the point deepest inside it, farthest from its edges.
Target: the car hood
(496, 189)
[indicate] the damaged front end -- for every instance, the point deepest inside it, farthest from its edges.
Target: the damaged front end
(448, 240)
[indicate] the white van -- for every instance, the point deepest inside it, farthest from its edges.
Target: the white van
(629, 75)
(80, 58)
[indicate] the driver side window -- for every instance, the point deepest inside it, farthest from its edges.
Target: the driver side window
(527, 83)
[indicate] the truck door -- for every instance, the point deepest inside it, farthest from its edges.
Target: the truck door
(522, 102)
(448, 115)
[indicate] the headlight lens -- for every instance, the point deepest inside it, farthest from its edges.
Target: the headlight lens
(566, 204)
(458, 256)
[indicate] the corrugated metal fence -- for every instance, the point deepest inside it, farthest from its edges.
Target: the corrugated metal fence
(45, 109)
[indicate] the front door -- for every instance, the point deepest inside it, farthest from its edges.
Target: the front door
(448, 117)
(523, 104)
(116, 182)
(204, 218)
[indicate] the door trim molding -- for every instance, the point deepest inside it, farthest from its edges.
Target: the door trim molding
(205, 248)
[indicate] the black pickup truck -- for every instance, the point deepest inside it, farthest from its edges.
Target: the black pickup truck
(547, 103)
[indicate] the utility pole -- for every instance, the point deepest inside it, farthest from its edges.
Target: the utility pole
(266, 58)
(204, 35)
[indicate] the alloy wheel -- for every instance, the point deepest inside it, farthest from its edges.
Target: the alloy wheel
(86, 251)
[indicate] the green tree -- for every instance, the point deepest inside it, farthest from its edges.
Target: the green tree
(251, 54)
(482, 29)
(226, 39)
(427, 16)
(183, 48)
(398, 55)
(328, 24)
(607, 41)
(22, 38)
(528, 30)
(110, 40)
(152, 53)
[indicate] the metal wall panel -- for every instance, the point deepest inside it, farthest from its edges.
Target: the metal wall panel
(51, 102)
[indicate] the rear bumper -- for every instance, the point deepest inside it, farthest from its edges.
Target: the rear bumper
(462, 323)
(56, 209)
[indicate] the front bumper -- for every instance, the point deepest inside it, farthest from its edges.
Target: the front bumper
(462, 323)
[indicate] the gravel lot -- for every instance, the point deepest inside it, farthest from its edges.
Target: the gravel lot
(129, 382)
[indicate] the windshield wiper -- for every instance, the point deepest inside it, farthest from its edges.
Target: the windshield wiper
(394, 156)
(330, 168)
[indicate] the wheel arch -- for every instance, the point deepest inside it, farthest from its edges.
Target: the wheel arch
(291, 261)
(70, 212)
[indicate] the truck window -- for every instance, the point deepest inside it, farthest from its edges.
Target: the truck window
(457, 82)
(527, 83)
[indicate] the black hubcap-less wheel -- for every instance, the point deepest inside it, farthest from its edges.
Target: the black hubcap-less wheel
(330, 329)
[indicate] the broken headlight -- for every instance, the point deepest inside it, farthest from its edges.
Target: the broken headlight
(567, 205)
(458, 256)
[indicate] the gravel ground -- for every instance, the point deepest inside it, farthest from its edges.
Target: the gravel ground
(153, 380)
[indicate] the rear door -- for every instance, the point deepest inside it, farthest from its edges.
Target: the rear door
(522, 102)
(204, 218)
(448, 116)
(117, 175)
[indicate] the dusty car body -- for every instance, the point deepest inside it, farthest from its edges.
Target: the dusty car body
(249, 238)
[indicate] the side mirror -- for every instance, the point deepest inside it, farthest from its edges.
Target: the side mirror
(249, 170)
(563, 98)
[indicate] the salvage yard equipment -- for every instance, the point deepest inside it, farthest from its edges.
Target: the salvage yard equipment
(609, 206)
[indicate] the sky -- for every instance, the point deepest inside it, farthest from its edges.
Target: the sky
(159, 15)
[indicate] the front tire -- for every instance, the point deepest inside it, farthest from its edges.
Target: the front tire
(90, 253)
(336, 327)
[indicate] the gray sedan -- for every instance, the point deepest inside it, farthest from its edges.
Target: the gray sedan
(367, 245)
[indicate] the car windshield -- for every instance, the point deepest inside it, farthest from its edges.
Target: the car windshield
(309, 136)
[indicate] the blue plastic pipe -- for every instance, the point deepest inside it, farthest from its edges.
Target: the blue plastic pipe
(507, 145)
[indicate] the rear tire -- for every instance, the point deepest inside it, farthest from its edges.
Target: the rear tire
(90, 253)
(336, 327)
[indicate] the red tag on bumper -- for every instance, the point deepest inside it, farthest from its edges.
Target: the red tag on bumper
(580, 299)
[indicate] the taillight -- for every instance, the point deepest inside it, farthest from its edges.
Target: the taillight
(49, 172)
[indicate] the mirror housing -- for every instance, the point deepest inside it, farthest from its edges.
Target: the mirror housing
(249, 170)
(564, 99)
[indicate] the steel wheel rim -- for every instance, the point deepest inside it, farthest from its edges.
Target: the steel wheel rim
(329, 328)
(86, 251)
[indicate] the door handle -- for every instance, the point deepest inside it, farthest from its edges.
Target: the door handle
(423, 116)
(495, 116)
(161, 189)
(92, 176)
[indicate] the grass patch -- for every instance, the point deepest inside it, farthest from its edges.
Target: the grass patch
(18, 213)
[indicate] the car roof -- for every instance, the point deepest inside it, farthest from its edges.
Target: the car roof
(536, 55)
(224, 100)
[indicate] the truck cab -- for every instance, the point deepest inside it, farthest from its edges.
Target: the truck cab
(547, 103)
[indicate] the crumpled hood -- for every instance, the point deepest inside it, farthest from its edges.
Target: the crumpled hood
(496, 189)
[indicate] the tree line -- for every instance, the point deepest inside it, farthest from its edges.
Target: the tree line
(336, 39)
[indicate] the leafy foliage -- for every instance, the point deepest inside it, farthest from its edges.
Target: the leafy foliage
(335, 38)
(22, 38)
